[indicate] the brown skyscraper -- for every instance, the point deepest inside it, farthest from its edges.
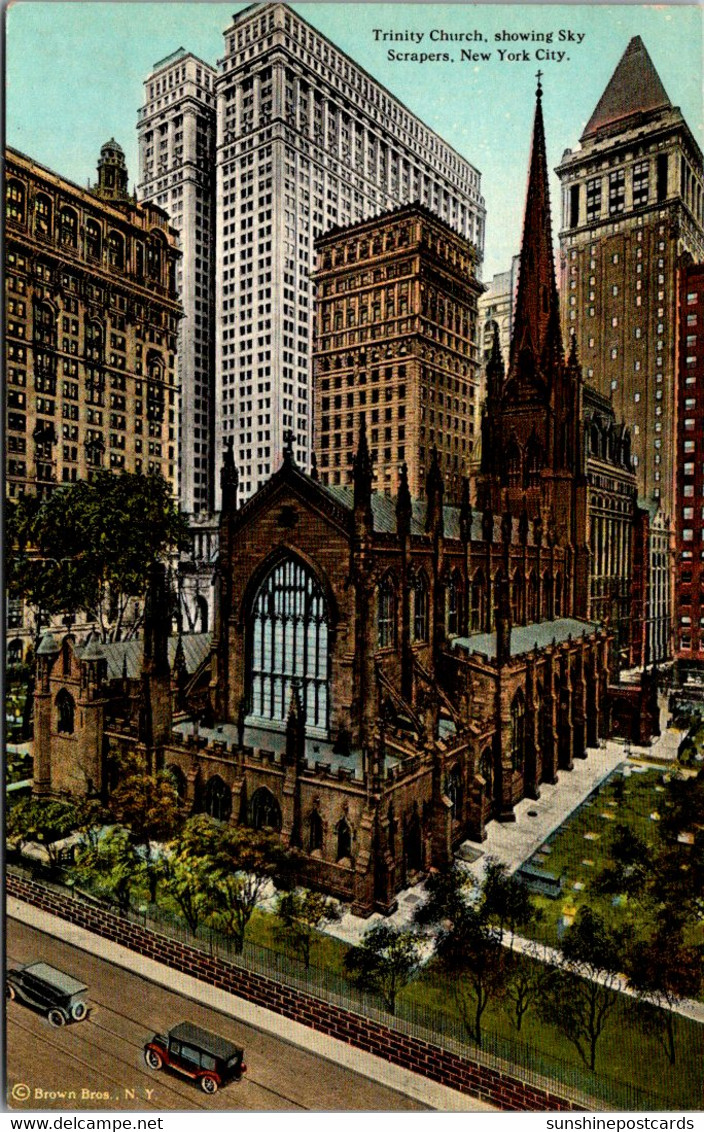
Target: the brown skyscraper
(395, 346)
(632, 199)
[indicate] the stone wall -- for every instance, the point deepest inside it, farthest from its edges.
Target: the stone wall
(467, 1076)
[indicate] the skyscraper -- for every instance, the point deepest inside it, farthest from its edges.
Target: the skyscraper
(306, 140)
(632, 203)
(176, 132)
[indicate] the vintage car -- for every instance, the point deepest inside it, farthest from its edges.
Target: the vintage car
(206, 1058)
(55, 994)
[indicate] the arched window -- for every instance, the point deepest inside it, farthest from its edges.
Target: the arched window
(557, 597)
(154, 257)
(116, 250)
(42, 215)
(315, 840)
(413, 841)
(455, 792)
(534, 462)
(478, 597)
(68, 228)
(289, 643)
(344, 840)
(547, 596)
(266, 812)
(386, 614)
(517, 598)
(420, 609)
(94, 342)
(94, 239)
(65, 711)
(533, 610)
(486, 770)
(14, 652)
(202, 613)
(218, 799)
(595, 439)
(179, 780)
(454, 604)
(518, 731)
(15, 201)
(513, 465)
(139, 258)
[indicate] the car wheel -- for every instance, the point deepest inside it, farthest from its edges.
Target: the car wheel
(209, 1085)
(57, 1018)
(153, 1059)
(10, 992)
(78, 1011)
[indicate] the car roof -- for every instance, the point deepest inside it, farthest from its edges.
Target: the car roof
(55, 978)
(210, 1043)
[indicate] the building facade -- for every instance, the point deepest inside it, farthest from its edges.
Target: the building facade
(395, 346)
(176, 133)
(305, 140)
(632, 201)
(689, 524)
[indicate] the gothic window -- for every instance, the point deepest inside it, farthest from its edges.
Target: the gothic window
(386, 614)
(93, 239)
(68, 228)
(179, 780)
(455, 792)
(344, 840)
(42, 215)
(202, 613)
(547, 596)
(65, 710)
(14, 652)
(413, 842)
(517, 599)
(266, 813)
(478, 595)
(289, 644)
(533, 609)
(315, 840)
(486, 770)
(116, 250)
(454, 604)
(518, 731)
(420, 609)
(513, 464)
(534, 462)
(595, 439)
(15, 201)
(557, 597)
(218, 799)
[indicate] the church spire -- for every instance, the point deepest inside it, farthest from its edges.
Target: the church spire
(537, 322)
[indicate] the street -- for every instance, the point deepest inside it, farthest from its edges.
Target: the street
(98, 1064)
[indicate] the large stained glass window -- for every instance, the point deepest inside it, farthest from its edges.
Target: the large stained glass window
(289, 634)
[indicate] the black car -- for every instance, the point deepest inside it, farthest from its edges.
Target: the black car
(204, 1057)
(52, 992)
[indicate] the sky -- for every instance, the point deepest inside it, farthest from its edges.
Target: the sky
(74, 74)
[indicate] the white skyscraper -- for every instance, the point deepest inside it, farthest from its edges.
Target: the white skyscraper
(176, 131)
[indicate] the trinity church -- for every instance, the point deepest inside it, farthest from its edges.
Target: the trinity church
(386, 675)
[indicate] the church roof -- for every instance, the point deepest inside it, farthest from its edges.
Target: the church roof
(384, 513)
(634, 88)
(525, 638)
(125, 657)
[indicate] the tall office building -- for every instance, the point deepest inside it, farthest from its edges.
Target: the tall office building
(306, 140)
(632, 200)
(176, 132)
(395, 347)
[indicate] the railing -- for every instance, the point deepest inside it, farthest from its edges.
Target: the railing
(498, 1052)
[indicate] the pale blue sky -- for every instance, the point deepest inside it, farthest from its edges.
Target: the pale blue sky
(75, 72)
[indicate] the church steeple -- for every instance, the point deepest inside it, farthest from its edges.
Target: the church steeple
(537, 321)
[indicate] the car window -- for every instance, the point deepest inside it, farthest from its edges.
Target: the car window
(175, 1048)
(207, 1061)
(188, 1053)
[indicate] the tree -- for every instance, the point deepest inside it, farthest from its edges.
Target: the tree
(662, 971)
(676, 881)
(90, 816)
(579, 996)
(40, 821)
(89, 545)
(302, 914)
(506, 901)
(385, 961)
(629, 868)
(473, 957)
(447, 891)
(111, 865)
(150, 807)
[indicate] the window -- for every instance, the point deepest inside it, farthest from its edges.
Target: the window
(42, 215)
(640, 183)
(68, 228)
(288, 636)
(116, 250)
(386, 614)
(420, 609)
(593, 199)
(218, 799)
(15, 201)
(518, 731)
(617, 192)
(454, 604)
(93, 239)
(65, 709)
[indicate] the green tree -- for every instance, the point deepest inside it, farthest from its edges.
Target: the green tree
(579, 996)
(472, 956)
(662, 971)
(149, 805)
(385, 961)
(42, 822)
(90, 816)
(629, 867)
(111, 867)
(302, 914)
(676, 879)
(89, 546)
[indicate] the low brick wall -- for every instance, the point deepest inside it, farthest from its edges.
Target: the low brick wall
(507, 1093)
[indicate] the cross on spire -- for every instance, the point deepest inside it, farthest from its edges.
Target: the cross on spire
(539, 76)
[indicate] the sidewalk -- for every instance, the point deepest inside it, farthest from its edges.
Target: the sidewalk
(438, 1097)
